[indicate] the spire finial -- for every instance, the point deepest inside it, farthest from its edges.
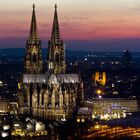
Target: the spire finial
(55, 6)
(33, 6)
(55, 29)
(33, 29)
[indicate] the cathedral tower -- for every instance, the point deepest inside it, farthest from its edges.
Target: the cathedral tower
(53, 94)
(56, 52)
(33, 58)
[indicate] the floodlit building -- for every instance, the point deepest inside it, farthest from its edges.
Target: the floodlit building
(110, 108)
(84, 115)
(52, 94)
(13, 107)
(99, 78)
(4, 107)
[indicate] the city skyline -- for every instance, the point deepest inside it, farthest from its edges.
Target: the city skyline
(93, 25)
(70, 69)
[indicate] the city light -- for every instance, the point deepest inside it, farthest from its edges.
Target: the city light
(85, 95)
(100, 97)
(99, 91)
(4, 134)
(6, 127)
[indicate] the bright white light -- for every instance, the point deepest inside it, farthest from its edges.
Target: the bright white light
(100, 97)
(124, 115)
(113, 85)
(119, 116)
(102, 117)
(63, 120)
(39, 127)
(4, 134)
(115, 115)
(93, 116)
(6, 127)
(106, 116)
(16, 125)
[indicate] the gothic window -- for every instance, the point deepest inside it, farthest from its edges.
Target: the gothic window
(57, 100)
(34, 57)
(56, 57)
(38, 92)
(31, 92)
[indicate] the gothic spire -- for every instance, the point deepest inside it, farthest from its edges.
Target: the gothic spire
(55, 29)
(33, 29)
(33, 57)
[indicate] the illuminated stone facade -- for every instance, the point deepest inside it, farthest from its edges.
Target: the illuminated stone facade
(56, 51)
(99, 79)
(52, 94)
(110, 108)
(4, 107)
(33, 57)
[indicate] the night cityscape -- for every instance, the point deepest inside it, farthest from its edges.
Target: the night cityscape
(71, 81)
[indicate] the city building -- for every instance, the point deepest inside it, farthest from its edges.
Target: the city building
(99, 79)
(8, 107)
(56, 50)
(13, 107)
(127, 60)
(4, 107)
(110, 108)
(84, 115)
(52, 94)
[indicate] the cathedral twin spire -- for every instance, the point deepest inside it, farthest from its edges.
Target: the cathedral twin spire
(55, 36)
(55, 29)
(56, 52)
(33, 63)
(33, 29)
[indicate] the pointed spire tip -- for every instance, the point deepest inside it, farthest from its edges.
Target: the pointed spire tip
(55, 6)
(33, 5)
(33, 28)
(55, 29)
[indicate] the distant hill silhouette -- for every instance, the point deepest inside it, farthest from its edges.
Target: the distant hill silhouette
(19, 52)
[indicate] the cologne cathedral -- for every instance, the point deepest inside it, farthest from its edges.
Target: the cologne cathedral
(48, 93)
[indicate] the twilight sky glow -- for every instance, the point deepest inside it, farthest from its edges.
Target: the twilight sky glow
(98, 25)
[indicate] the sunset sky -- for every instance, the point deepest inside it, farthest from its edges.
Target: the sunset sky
(97, 25)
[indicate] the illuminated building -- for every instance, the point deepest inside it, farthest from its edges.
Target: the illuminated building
(84, 115)
(56, 51)
(52, 94)
(4, 134)
(4, 107)
(33, 56)
(109, 108)
(8, 107)
(1, 83)
(13, 107)
(99, 79)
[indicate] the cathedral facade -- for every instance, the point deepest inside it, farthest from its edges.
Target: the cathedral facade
(50, 93)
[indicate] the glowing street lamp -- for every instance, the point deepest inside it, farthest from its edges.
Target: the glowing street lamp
(99, 92)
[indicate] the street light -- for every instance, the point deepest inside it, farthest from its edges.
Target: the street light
(99, 92)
